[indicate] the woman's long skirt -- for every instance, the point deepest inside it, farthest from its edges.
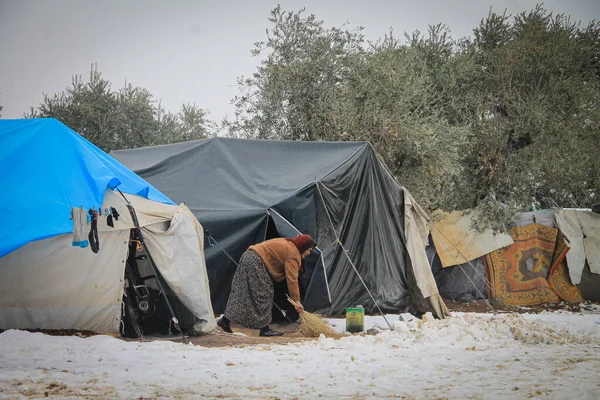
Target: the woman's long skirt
(250, 300)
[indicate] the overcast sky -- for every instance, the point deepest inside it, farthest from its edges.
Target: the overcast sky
(192, 51)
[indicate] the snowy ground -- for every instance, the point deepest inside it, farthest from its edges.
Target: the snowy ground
(475, 356)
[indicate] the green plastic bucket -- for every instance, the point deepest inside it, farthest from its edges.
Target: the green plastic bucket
(355, 319)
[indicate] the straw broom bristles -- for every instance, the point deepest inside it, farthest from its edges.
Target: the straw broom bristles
(313, 325)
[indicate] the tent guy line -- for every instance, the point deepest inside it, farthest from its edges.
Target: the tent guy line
(270, 210)
(464, 272)
(346, 253)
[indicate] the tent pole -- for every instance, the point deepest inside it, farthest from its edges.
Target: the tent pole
(266, 226)
(325, 276)
(350, 260)
(152, 264)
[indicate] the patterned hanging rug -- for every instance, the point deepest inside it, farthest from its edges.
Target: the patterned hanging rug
(532, 270)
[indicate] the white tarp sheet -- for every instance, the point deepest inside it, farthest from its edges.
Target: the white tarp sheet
(582, 230)
(456, 243)
(173, 251)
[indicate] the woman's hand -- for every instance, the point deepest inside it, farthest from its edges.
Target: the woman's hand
(299, 307)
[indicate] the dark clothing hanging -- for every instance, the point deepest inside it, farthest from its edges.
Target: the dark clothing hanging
(93, 235)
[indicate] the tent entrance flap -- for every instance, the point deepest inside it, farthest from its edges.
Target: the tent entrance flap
(286, 228)
(145, 310)
(145, 294)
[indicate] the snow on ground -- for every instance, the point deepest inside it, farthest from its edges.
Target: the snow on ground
(473, 356)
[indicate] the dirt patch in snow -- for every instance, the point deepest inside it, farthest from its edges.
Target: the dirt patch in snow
(243, 337)
(484, 306)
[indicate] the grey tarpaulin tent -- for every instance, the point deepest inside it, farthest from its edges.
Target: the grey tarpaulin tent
(246, 191)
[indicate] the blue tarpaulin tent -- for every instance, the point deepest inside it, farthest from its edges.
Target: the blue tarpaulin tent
(47, 281)
(46, 168)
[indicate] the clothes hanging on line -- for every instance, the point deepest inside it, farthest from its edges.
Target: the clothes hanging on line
(112, 213)
(93, 235)
(80, 220)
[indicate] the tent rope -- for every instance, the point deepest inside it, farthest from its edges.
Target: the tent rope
(479, 274)
(269, 210)
(138, 244)
(464, 272)
(346, 253)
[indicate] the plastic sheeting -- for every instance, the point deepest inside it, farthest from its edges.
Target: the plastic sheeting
(417, 232)
(582, 230)
(49, 168)
(543, 217)
(589, 287)
(467, 281)
(338, 192)
(456, 243)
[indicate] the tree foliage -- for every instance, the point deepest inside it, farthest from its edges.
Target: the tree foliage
(539, 141)
(124, 118)
(510, 116)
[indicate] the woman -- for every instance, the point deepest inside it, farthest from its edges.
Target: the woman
(251, 299)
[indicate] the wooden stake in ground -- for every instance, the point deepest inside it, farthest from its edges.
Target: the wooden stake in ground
(311, 324)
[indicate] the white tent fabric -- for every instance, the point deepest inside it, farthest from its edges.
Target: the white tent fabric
(173, 251)
(582, 229)
(50, 284)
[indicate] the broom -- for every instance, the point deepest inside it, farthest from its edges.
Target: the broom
(311, 324)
